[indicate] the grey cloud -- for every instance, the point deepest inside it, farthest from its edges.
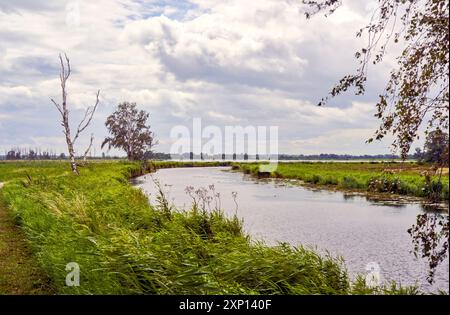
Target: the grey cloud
(27, 69)
(15, 6)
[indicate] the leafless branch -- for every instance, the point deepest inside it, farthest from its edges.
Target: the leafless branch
(87, 118)
(57, 106)
(89, 147)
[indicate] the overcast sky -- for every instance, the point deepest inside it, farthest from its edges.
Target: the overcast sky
(258, 63)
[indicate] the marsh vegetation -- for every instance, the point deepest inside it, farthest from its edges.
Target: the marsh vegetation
(412, 179)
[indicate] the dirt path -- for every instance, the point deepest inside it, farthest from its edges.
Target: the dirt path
(19, 273)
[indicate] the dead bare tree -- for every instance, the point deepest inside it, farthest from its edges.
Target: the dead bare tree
(64, 111)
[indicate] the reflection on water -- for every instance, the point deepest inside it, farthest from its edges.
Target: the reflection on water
(353, 226)
(430, 239)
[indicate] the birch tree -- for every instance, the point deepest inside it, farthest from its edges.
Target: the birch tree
(64, 112)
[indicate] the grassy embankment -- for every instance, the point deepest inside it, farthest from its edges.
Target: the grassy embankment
(125, 246)
(396, 178)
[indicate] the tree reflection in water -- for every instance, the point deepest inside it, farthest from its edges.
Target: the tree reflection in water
(430, 238)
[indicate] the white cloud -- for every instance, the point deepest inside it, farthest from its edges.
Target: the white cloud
(15, 91)
(226, 44)
(227, 119)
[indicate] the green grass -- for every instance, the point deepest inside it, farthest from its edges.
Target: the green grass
(125, 246)
(19, 272)
(398, 178)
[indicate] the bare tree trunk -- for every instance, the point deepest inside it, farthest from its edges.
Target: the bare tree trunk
(63, 110)
(73, 164)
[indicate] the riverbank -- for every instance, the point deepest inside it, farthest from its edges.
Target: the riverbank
(386, 178)
(125, 246)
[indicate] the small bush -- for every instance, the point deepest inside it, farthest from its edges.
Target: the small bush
(384, 184)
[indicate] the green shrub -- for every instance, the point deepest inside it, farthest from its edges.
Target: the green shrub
(350, 182)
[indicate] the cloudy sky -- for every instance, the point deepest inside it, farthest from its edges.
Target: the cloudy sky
(235, 62)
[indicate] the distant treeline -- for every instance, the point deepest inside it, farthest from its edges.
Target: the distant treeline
(285, 157)
(37, 154)
(330, 156)
(31, 154)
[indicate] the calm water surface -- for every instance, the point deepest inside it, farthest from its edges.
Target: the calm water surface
(353, 227)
